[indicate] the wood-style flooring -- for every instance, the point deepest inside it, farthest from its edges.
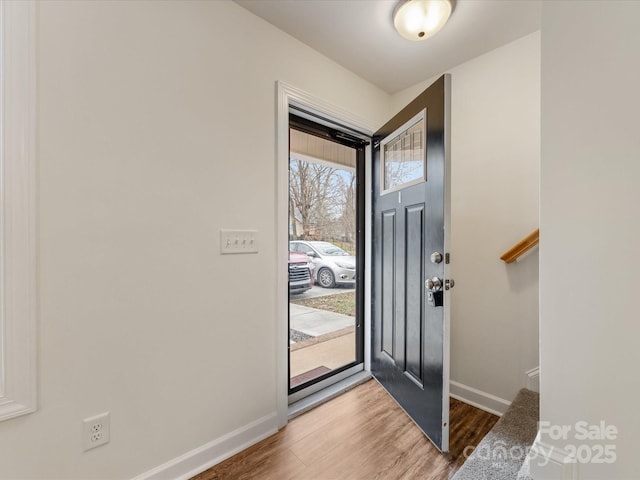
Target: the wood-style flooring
(360, 435)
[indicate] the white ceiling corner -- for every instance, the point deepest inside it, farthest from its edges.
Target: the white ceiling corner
(359, 34)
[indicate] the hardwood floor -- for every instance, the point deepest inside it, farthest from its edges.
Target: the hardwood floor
(362, 434)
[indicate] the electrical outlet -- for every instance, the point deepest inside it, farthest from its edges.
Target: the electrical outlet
(238, 241)
(95, 431)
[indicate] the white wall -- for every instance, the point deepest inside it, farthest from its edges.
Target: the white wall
(590, 226)
(495, 153)
(156, 128)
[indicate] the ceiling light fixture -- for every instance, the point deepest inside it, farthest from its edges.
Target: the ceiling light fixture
(420, 19)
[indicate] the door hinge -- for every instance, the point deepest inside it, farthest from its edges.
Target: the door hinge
(447, 258)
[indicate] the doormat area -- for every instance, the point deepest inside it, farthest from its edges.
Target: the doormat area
(296, 336)
(501, 453)
(310, 375)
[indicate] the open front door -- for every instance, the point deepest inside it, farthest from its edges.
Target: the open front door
(410, 332)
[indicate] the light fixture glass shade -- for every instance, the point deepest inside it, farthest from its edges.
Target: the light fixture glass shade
(420, 19)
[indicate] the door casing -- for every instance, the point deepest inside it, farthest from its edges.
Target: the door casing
(288, 96)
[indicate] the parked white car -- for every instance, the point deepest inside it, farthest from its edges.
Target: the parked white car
(334, 266)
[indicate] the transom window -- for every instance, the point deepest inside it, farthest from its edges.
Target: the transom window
(404, 161)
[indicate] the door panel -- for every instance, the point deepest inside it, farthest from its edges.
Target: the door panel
(414, 291)
(388, 297)
(409, 333)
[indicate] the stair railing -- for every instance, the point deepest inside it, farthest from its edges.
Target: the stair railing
(523, 246)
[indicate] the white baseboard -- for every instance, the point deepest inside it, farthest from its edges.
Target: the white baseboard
(477, 398)
(551, 463)
(533, 379)
(200, 459)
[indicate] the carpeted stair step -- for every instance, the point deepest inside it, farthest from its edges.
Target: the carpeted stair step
(525, 472)
(501, 453)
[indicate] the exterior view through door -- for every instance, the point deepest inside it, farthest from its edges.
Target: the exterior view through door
(325, 327)
(410, 279)
(410, 330)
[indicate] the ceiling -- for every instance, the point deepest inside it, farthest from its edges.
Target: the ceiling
(359, 34)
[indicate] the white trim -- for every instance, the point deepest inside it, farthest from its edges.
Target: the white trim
(368, 179)
(17, 163)
(446, 315)
(288, 95)
(533, 379)
(316, 387)
(547, 462)
(202, 458)
(326, 394)
(479, 399)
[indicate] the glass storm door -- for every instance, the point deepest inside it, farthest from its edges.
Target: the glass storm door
(325, 254)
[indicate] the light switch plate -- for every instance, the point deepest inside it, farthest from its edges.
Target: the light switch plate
(238, 241)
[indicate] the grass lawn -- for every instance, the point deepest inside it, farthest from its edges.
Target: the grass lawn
(344, 303)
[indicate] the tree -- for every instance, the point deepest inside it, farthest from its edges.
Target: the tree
(348, 219)
(315, 198)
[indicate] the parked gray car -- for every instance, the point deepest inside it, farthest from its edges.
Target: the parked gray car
(334, 266)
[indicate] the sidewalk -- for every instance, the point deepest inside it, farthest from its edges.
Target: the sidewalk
(316, 322)
(332, 346)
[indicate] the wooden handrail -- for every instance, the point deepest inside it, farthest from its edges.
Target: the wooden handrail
(521, 247)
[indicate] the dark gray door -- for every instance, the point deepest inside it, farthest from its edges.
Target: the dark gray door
(410, 332)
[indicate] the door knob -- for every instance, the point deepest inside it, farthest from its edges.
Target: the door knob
(449, 283)
(433, 284)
